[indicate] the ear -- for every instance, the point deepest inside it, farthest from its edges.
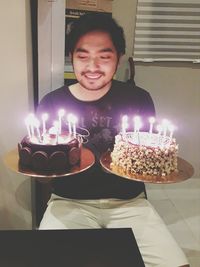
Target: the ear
(121, 59)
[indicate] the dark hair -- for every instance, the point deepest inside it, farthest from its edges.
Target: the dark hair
(96, 22)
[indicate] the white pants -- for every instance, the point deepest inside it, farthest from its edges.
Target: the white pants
(156, 244)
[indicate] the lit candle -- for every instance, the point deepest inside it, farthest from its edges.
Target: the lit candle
(159, 129)
(61, 113)
(151, 121)
(124, 125)
(69, 123)
(137, 124)
(56, 129)
(31, 121)
(37, 125)
(171, 130)
(74, 121)
(44, 119)
(27, 122)
(165, 124)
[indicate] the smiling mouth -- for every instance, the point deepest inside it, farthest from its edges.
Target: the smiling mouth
(93, 76)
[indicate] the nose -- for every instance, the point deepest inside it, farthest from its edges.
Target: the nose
(93, 64)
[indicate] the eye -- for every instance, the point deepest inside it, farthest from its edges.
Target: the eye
(105, 56)
(82, 56)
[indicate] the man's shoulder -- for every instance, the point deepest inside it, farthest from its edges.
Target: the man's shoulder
(130, 88)
(57, 92)
(53, 100)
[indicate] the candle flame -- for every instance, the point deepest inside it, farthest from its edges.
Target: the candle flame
(165, 122)
(45, 116)
(71, 118)
(56, 124)
(171, 127)
(31, 117)
(152, 120)
(61, 112)
(124, 118)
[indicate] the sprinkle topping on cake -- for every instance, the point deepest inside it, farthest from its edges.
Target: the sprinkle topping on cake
(145, 153)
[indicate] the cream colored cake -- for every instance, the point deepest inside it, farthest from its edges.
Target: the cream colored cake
(145, 153)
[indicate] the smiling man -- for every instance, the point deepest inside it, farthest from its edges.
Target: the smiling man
(95, 198)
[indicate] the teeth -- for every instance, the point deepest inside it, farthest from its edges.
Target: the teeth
(93, 76)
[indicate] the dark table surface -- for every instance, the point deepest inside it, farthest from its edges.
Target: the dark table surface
(73, 248)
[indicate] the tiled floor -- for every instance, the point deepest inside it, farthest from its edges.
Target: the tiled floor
(179, 206)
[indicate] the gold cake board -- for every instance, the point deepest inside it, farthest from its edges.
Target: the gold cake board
(11, 160)
(185, 171)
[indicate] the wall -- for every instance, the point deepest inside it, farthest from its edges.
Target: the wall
(16, 88)
(173, 86)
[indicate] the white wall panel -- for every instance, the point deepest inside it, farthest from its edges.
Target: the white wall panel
(51, 40)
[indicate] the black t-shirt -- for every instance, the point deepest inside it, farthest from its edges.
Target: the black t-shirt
(99, 121)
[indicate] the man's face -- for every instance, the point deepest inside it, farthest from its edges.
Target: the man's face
(95, 60)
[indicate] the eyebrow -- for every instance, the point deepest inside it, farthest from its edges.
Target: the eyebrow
(86, 51)
(81, 50)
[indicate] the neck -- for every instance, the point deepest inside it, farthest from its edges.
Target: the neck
(84, 94)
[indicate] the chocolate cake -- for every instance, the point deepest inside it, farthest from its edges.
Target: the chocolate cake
(51, 154)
